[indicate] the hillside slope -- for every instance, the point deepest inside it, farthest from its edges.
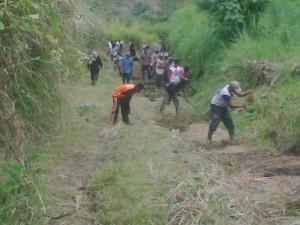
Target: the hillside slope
(148, 172)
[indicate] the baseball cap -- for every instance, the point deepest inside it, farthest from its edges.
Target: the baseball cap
(235, 85)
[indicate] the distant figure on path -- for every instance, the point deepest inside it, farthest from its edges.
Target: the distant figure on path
(94, 65)
(145, 61)
(127, 68)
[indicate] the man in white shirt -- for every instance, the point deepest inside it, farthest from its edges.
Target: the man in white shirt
(219, 111)
(175, 72)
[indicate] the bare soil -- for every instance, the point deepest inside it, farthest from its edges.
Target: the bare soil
(275, 177)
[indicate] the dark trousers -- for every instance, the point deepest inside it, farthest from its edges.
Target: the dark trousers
(159, 80)
(94, 76)
(152, 71)
(218, 114)
(126, 76)
(145, 68)
(165, 77)
(124, 111)
(167, 98)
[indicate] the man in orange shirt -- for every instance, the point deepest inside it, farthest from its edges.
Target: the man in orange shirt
(121, 97)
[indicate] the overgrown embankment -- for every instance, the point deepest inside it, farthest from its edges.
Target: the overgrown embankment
(254, 42)
(37, 52)
(263, 56)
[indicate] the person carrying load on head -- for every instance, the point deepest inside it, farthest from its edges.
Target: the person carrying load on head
(94, 65)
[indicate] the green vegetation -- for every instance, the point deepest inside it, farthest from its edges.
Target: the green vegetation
(261, 57)
(233, 17)
(44, 44)
(19, 195)
(37, 53)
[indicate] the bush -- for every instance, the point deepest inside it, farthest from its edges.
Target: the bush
(140, 8)
(234, 16)
(192, 40)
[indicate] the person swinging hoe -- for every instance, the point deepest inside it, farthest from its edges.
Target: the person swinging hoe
(219, 110)
(121, 98)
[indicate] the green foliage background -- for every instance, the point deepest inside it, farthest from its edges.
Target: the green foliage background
(38, 51)
(195, 39)
(43, 43)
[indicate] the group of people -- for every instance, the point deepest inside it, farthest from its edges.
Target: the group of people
(154, 61)
(167, 71)
(115, 47)
(175, 79)
(218, 107)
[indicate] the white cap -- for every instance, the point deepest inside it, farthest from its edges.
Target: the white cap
(235, 85)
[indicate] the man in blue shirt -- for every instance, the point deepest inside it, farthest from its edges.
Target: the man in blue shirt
(126, 68)
(219, 111)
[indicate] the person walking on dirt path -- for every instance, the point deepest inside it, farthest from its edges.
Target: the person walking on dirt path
(113, 50)
(109, 48)
(144, 47)
(117, 64)
(145, 62)
(94, 65)
(132, 49)
(154, 58)
(126, 68)
(173, 90)
(219, 110)
(159, 71)
(121, 98)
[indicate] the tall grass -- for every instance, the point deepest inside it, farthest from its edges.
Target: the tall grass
(192, 39)
(130, 28)
(20, 195)
(125, 194)
(37, 53)
(276, 44)
(273, 44)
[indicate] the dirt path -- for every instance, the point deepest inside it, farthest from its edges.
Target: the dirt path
(269, 179)
(273, 178)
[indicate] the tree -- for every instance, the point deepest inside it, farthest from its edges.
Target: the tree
(232, 16)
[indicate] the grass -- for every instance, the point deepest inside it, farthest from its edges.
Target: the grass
(23, 195)
(274, 42)
(128, 195)
(131, 172)
(131, 29)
